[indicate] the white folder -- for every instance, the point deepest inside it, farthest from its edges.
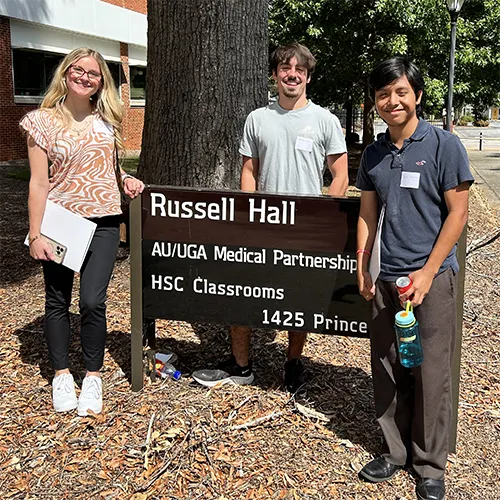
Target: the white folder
(71, 230)
(374, 264)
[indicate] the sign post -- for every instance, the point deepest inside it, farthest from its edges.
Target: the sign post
(457, 355)
(136, 292)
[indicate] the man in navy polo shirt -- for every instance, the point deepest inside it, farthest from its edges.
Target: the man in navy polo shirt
(421, 176)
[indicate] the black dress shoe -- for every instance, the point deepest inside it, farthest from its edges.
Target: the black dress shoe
(430, 489)
(379, 470)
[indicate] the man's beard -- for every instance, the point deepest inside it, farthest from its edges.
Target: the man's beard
(290, 92)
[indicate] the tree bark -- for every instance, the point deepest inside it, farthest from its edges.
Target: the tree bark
(207, 69)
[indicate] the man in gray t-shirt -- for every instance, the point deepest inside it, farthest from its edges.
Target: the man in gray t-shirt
(284, 147)
(289, 146)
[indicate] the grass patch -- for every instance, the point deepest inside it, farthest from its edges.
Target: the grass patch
(20, 174)
(130, 164)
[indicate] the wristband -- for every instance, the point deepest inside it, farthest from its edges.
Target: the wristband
(31, 240)
(126, 176)
(362, 250)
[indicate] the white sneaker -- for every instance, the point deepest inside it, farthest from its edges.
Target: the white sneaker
(91, 396)
(63, 392)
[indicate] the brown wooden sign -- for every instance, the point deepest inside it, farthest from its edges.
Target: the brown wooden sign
(260, 260)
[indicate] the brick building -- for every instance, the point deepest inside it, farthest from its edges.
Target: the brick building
(36, 34)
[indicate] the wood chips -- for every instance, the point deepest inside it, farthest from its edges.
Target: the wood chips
(177, 440)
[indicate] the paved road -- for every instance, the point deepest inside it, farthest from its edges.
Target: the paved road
(485, 164)
(470, 137)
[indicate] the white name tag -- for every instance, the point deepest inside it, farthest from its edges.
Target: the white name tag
(410, 180)
(304, 144)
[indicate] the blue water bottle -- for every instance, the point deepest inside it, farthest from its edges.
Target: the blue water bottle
(408, 338)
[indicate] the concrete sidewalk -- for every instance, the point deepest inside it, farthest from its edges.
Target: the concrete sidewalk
(485, 166)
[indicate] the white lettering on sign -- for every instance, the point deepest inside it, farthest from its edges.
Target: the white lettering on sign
(175, 209)
(179, 250)
(243, 254)
(291, 319)
(262, 212)
(205, 286)
(168, 283)
(337, 263)
(339, 325)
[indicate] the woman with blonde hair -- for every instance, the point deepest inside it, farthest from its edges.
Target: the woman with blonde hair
(77, 131)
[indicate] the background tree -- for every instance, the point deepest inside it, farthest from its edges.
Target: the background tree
(478, 55)
(350, 36)
(207, 69)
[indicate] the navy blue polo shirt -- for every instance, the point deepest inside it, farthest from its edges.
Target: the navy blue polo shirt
(411, 182)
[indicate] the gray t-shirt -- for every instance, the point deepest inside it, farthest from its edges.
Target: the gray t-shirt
(291, 146)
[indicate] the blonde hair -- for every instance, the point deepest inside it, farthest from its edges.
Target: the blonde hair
(106, 100)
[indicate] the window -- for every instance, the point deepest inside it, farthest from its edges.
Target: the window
(116, 70)
(137, 82)
(33, 71)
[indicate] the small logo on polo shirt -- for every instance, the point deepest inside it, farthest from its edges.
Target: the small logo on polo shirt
(421, 162)
(307, 132)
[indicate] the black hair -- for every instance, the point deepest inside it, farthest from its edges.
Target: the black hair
(392, 69)
(284, 53)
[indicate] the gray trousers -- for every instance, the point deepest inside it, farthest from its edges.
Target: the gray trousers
(413, 406)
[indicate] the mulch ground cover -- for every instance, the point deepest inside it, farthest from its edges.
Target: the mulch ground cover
(177, 440)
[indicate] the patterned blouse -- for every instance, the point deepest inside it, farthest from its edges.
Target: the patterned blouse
(82, 175)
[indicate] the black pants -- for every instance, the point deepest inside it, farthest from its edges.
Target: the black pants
(413, 406)
(94, 279)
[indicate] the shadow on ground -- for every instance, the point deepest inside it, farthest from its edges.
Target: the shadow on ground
(342, 393)
(16, 263)
(33, 348)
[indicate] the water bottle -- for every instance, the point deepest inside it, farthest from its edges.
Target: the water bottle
(169, 370)
(408, 338)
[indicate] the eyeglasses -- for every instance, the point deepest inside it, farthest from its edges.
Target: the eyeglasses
(78, 71)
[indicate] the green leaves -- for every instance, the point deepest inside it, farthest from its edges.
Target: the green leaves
(349, 37)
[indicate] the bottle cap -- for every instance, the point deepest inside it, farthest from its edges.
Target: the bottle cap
(176, 375)
(405, 318)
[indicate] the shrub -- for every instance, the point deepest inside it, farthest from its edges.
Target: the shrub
(465, 119)
(481, 123)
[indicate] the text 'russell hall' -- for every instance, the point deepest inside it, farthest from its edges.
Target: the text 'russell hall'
(259, 210)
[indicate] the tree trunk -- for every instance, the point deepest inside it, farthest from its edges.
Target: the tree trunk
(207, 69)
(368, 118)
